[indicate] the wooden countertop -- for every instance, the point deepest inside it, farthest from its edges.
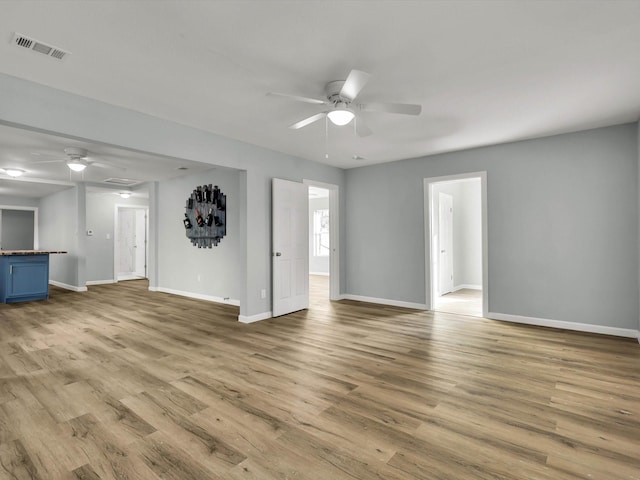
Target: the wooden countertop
(28, 252)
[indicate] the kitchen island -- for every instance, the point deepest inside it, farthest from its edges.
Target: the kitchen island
(24, 275)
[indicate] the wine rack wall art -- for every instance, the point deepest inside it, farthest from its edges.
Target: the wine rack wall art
(205, 218)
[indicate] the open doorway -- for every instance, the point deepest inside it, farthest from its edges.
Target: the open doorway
(319, 244)
(130, 242)
(324, 277)
(18, 228)
(455, 208)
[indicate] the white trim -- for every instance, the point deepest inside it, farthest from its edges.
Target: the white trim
(99, 282)
(153, 289)
(198, 296)
(428, 233)
(467, 286)
(66, 286)
(322, 274)
(254, 318)
(384, 301)
(581, 327)
(334, 235)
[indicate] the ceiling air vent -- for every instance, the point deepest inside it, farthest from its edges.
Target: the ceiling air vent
(123, 182)
(23, 41)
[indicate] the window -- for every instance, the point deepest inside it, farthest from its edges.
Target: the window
(321, 233)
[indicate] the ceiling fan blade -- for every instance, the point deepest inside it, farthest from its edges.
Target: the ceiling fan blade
(308, 120)
(47, 161)
(297, 98)
(404, 108)
(361, 127)
(353, 84)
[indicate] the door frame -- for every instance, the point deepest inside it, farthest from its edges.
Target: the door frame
(428, 235)
(116, 238)
(437, 287)
(334, 236)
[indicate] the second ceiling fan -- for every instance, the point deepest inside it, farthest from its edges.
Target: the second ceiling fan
(341, 95)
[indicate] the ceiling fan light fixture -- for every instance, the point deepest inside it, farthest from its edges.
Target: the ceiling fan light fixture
(13, 172)
(341, 115)
(76, 165)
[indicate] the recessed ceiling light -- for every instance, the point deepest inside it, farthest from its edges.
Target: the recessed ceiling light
(13, 172)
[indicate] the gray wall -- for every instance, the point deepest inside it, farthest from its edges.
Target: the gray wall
(100, 218)
(58, 230)
(16, 229)
(317, 264)
(562, 226)
(467, 229)
(19, 202)
(180, 263)
(30, 105)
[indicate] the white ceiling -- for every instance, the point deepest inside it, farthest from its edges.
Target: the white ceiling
(485, 72)
(42, 158)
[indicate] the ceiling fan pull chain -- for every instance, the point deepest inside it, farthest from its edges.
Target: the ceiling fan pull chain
(326, 138)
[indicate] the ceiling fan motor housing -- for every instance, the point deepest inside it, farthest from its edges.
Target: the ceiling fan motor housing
(333, 92)
(75, 152)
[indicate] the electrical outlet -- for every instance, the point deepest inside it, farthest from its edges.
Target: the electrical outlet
(263, 293)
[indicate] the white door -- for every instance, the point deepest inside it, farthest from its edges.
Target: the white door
(140, 243)
(126, 234)
(290, 239)
(445, 246)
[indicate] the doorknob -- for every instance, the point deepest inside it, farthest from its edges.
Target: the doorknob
(442, 251)
(277, 254)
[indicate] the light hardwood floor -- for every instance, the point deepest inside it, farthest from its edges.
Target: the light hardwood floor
(122, 383)
(464, 302)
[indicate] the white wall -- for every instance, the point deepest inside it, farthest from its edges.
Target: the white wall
(562, 226)
(467, 230)
(210, 272)
(58, 228)
(317, 265)
(100, 218)
(30, 105)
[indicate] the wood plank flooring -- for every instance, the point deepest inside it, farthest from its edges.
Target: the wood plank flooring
(123, 383)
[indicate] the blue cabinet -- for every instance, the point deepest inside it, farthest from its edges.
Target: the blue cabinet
(24, 278)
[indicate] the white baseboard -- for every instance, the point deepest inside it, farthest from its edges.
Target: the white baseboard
(384, 301)
(254, 318)
(198, 296)
(322, 274)
(99, 282)
(129, 276)
(581, 327)
(66, 286)
(467, 285)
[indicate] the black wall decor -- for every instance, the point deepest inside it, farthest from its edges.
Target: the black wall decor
(205, 218)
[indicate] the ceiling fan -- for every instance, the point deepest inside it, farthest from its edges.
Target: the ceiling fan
(76, 160)
(341, 95)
